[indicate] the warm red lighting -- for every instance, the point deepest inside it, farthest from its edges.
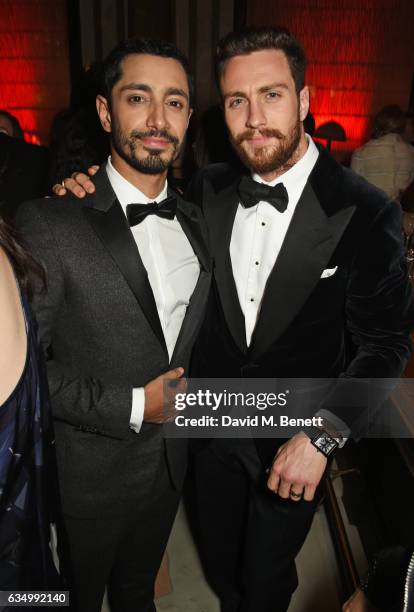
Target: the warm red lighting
(34, 75)
(359, 57)
(31, 138)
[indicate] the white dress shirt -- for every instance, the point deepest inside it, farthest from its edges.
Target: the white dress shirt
(258, 235)
(173, 268)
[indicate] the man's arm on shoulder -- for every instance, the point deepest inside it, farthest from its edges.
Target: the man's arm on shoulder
(79, 184)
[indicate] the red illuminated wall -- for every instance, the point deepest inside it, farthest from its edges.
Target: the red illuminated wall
(361, 56)
(34, 66)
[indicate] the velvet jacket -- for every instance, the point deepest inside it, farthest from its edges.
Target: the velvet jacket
(354, 323)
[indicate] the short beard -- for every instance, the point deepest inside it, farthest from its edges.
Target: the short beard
(279, 157)
(153, 163)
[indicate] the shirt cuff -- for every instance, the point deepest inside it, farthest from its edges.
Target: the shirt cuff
(341, 427)
(137, 411)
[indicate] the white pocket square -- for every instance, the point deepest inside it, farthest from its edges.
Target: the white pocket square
(329, 272)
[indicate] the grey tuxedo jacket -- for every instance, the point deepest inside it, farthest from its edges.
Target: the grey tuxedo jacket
(102, 336)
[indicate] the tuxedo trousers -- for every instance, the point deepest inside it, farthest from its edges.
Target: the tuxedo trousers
(122, 553)
(248, 536)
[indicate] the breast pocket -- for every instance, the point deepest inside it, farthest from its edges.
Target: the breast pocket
(329, 272)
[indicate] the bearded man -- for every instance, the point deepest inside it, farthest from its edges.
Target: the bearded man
(128, 279)
(310, 281)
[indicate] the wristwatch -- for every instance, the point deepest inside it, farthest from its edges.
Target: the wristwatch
(323, 442)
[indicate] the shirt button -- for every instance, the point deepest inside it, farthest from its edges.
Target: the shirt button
(252, 299)
(257, 263)
(263, 223)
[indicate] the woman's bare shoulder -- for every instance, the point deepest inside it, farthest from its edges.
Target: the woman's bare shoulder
(13, 344)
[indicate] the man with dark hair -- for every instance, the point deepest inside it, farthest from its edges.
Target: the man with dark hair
(309, 282)
(144, 46)
(307, 256)
(261, 39)
(128, 278)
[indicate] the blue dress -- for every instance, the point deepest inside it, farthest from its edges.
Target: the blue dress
(28, 486)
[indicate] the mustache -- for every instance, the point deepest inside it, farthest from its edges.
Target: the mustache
(267, 132)
(135, 135)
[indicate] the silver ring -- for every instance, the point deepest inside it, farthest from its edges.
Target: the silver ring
(295, 495)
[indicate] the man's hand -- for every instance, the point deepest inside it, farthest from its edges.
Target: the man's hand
(79, 184)
(297, 468)
(358, 603)
(160, 396)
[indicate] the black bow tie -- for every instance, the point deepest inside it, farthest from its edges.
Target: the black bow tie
(251, 193)
(137, 212)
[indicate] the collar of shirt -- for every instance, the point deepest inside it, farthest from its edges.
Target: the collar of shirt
(295, 178)
(126, 192)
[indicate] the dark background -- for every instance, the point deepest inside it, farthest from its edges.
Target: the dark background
(361, 54)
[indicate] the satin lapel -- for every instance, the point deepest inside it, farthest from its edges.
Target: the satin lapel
(193, 317)
(307, 248)
(220, 214)
(190, 223)
(107, 218)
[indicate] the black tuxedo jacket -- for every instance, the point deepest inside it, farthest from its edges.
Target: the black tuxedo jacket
(354, 323)
(100, 329)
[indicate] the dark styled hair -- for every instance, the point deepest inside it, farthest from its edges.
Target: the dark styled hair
(17, 129)
(252, 39)
(112, 70)
(29, 271)
(390, 120)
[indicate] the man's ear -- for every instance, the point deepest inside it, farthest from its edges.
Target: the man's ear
(190, 112)
(303, 103)
(102, 107)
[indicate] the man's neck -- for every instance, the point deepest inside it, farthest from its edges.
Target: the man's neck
(300, 151)
(149, 184)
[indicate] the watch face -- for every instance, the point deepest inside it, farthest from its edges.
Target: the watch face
(325, 444)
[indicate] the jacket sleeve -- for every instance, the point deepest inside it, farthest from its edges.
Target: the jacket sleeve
(379, 305)
(379, 315)
(97, 406)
